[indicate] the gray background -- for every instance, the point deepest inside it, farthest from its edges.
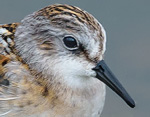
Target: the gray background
(127, 23)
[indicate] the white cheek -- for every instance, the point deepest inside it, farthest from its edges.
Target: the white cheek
(74, 71)
(73, 67)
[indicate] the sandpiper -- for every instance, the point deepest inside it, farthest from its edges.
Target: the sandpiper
(52, 65)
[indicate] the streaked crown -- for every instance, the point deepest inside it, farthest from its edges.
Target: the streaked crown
(65, 13)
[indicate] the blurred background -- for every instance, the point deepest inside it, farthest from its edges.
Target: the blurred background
(127, 23)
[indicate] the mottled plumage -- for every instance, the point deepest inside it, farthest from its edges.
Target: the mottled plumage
(40, 75)
(26, 87)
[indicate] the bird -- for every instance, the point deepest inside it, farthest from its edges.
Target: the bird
(52, 65)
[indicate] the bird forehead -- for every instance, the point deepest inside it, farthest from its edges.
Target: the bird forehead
(69, 14)
(55, 19)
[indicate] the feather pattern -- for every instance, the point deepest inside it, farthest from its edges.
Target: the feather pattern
(6, 44)
(37, 73)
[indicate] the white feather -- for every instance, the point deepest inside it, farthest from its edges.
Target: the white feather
(4, 114)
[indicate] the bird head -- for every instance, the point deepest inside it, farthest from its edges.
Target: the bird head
(66, 44)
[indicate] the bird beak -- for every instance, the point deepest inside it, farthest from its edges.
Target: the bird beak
(104, 74)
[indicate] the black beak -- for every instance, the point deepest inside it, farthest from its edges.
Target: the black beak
(105, 75)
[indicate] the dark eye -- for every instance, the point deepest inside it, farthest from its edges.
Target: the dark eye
(70, 42)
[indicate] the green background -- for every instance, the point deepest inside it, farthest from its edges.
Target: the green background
(127, 23)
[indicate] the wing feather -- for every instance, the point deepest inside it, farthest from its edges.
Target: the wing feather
(6, 51)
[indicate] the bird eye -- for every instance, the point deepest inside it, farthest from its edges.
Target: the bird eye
(70, 42)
